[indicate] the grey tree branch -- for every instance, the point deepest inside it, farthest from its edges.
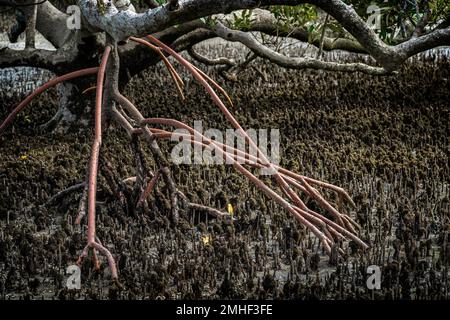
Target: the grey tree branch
(67, 58)
(290, 62)
(390, 57)
(416, 45)
(189, 39)
(209, 61)
(121, 25)
(31, 26)
(38, 58)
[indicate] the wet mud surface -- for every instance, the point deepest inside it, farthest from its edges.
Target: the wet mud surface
(383, 139)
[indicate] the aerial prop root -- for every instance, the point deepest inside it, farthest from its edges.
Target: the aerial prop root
(93, 167)
(332, 230)
(22, 105)
(283, 177)
(92, 241)
(327, 231)
(143, 129)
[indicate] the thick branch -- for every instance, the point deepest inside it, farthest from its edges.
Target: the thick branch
(29, 57)
(290, 62)
(123, 24)
(190, 39)
(390, 57)
(210, 61)
(419, 44)
(52, 24)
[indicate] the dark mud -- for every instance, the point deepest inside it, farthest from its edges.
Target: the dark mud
(384, 139)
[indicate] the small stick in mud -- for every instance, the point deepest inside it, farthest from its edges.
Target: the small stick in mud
(93, 170)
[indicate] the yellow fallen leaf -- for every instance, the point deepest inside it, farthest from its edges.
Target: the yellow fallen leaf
(230, 209)
(206, 239)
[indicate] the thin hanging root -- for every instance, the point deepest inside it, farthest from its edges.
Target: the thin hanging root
(241, 156)
(196, 72)
(189, 65)
(290, 176)
(322, 184)
(215, 84)
(183, 62)
(280, 180)
(156, 151)
(93, 171)
(158, 50)
(244, 156)
(173, 73)
(96, 246)
(179, 84)
(95, 259)
(245, 159)
(232, 152)
(329, 233)
(51, 83)
(330, 230)
(313, 221)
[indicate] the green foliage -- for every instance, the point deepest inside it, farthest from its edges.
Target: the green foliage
(440, 10)
(398, 15)
(101, 7)
(209, 21)
(294, 16)
(242, 20)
